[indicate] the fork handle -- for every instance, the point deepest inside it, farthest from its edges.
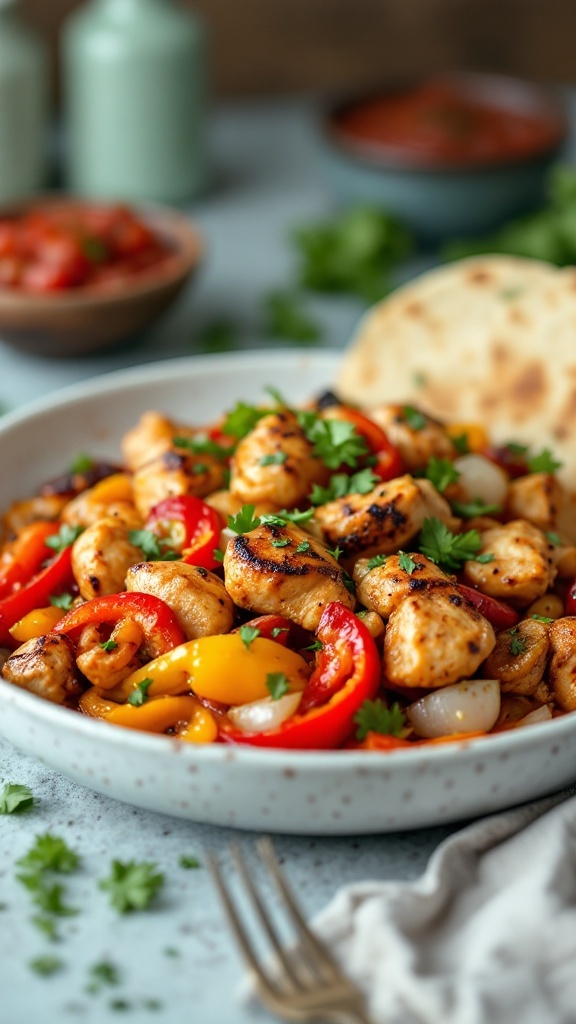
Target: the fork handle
(350, 1015)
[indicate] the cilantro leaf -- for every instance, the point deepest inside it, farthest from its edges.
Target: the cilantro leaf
(103, 973)
(242, 419)
(476, 507)
(406, 562)
(274, 459)
(517, 645)
(132, 885)
(543, 462)
(285, 516)
(219, 336)
(276, 684)
(201, 445)
(342, 484)
(303, 547)
(460, 443)
(336, 442)
(46, 965)
(415, 419)
(46, 895)
(15, 798)
(49, 853)
(189, 863)
(83, 463)
(282, 542)
(244, 521)
(376, 561)
(542, 618)
(139, 694)
(445, 548)
(375, 716)
(348, 582)
(276, 630)
(554, 539)
(285, 318)
(316, 645)
(64, 538)
(108, 645)
(441, 472)
(248, 634)
(153, 547)
(64, 601)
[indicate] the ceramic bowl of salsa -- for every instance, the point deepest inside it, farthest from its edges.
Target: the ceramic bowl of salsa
(77, 277)
(451, 155)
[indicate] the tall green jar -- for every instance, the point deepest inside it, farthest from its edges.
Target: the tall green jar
(135, 94)
(23, 106)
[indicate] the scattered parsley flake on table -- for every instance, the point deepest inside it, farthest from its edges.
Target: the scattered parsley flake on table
(15, 798)
(132, 885)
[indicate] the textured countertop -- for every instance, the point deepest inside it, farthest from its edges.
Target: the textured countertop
(176, 962)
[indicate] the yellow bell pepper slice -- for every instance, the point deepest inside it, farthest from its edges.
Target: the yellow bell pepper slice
(36, 623)
(220, 668)
(190, 720)
(476, 436)
(116, 487)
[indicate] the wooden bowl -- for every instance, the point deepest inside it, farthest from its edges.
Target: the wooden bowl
(88, 319)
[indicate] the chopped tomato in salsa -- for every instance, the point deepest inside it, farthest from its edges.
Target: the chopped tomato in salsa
(61, 246)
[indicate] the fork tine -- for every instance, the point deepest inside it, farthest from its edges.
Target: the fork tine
(320, 958)
(265, 982)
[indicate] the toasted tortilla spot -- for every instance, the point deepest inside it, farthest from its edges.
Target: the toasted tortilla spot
(480, 277)
(500, 353)
(414, 309)
(530, 387)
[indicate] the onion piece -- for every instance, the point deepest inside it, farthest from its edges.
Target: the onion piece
(470, 706)
(261, 715)
(226, 535)
(542, 714)
(481, 478)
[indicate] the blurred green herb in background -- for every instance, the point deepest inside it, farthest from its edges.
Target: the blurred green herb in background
(284, 317)
(547, 234)
(219, 336)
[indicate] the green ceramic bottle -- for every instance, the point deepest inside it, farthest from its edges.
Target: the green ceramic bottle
(135, 92)
(23, 106)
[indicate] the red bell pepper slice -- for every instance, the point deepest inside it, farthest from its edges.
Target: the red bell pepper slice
(347, 673)
(389, 462)
(570, 599)
(55, 578)
(498, 613)
(26, 555)
(271, 627)
(157, 621)
(508, 458)
(192, 527)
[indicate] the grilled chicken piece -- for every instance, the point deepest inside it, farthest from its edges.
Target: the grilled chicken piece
(522, 568)
(84, 510)
(174, 472)
(415, 444)
(21, 513)
(382, 521)
(45, 666)
(383, 588)
(108, 668)
(435, 638)
(519, 658)
(267, 575)
(536, 497)
(101, 557)
(562, 668)
(153, 434)
(197, 597)
(285, 483)
(228, 504)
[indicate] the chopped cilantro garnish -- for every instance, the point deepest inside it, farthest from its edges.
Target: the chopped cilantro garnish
(189, 863)
(415, 419)
(277, 396)
(47, 896)
(219, 336)
(303, 547)
(274, 459)
(285, 516)
(419, 379)
(200, 445)
(316, 645)
(64, 601)
(543, 462)
(516, 449)
(406, 562)
(248, 634)
(45, 924)
(342, 484)
(276, 630)
(335, 552)
(441, 472)
(460, 443)
(200, 467)
(542, 618)
(276, 684)
(82, 464)
(376, 561)
(336, 442)
(49, 853)
(375, 716)
(517, 645)
(476, 507)
(153, 547)
(139, 694)
(132, 885)
(348, 582)
(554, 539)
(218, 555)
(486, 557)
(283, 542)
(445, 548)
(64, 538)
(285, 318)
(242, 419)
(108, 645)
(244, 521)
(103, 973)
(46, 965)
(15, 798)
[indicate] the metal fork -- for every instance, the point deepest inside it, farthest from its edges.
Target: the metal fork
(300, 983)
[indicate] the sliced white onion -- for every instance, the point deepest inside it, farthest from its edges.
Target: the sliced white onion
(542, 714)
(470, 706)
(226, 535)
(264, 714)
(481, 478)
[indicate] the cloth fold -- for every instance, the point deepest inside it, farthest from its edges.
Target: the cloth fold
(487, 935)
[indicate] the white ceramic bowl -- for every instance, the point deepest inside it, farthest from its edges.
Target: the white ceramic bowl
(338, 793)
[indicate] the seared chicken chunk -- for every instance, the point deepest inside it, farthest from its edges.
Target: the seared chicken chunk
(416, 436)
(21, 513)
(434, 639)
(282, 569)
(174, 472)
(519, 658)
(197, 597)
(101, 557)
(84, 511)
(536, 497)
(382, 521)
(522, 568)
(106, 668)
(274, 463)
(562, 668)
(45, 666)
(153, 434)
(383, 588)
(228, 504)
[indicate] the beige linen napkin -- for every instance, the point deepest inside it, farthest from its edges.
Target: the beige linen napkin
(487, 935)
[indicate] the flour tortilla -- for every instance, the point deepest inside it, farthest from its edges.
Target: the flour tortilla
(490, 339)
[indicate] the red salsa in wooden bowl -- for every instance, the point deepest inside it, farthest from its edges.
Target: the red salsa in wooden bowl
(452, 121)
(57, 247)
